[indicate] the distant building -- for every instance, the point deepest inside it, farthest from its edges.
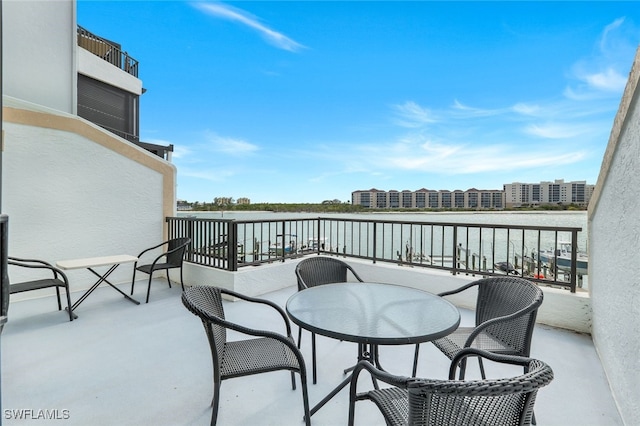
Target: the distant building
(559, 192)
(183, 205)
(243, 200)
(426, 198)
(514, 194)
(223, 201)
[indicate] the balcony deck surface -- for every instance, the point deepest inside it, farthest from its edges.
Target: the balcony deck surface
(123, 364)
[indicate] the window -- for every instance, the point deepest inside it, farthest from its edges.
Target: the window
(433, 200)
(110, 107)
(406, 200)
(473, 200)
(394, 200)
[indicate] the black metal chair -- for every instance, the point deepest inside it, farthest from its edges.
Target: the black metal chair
(266, 351)
(173, 258)
(319, 270)
(506, 309)
(54, 278)
(418, 401)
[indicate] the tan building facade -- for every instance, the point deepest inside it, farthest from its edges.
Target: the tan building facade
(433, 199)
(558, 192)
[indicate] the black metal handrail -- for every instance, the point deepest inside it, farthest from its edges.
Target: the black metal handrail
(161, 151)
(107, 50)
(461, 248)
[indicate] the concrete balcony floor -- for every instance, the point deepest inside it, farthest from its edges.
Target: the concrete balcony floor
(123, 364)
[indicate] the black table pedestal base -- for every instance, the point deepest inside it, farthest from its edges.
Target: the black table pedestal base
(366, 352)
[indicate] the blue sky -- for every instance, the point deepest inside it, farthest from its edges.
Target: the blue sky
(308, 101)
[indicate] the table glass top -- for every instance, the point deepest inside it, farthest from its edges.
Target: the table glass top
(373, 313)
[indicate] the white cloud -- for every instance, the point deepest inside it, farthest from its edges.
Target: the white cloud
(604, 73)
(464, 159)
(604, 39)
(231, 146)
(473, 112)
(413, 115)
(525, 109)
(214, 175)
(233, 14)
(609, 80)
(556, 131)
(180, 151)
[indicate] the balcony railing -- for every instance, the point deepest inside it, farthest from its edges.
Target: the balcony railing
(162, 151)
(107, 50)
(461, 248)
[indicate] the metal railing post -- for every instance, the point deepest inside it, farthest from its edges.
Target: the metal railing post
(318, 235)
(232, 246)
(191, 234)
(283, 239)
(375, 239)
(455, 265)
(574, 260)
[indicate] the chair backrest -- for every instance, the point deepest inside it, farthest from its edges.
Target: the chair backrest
(500, 296)
(206, 303)
(176, 257)
(318, 270)
(479, 402)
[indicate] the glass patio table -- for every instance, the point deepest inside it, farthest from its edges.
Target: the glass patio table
(372, 314)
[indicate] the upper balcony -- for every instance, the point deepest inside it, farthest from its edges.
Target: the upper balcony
(107, 50)
(109, 89)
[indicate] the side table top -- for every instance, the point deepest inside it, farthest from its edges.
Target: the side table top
(91, 262)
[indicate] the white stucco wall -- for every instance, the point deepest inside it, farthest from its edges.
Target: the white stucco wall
(38, 48)
(68, 196)
(99, 69)
(559, 309)
(614, 233)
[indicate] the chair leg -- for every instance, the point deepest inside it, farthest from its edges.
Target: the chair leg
(149, 287)
(58, 295)
(69, 304)
(181, 280)
(481, 368)
(299, 336)
(133, 280)
(168, 279)
(305, 399)
(215, 403)
(293, 380)
(415, 360)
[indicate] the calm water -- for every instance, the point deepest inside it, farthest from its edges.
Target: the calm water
(546, 218)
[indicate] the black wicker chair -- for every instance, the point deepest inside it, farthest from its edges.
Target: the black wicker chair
(266, 351)
(316, 271)
(54, 278)
(173, 258)
(506, 309)
(417, 401)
